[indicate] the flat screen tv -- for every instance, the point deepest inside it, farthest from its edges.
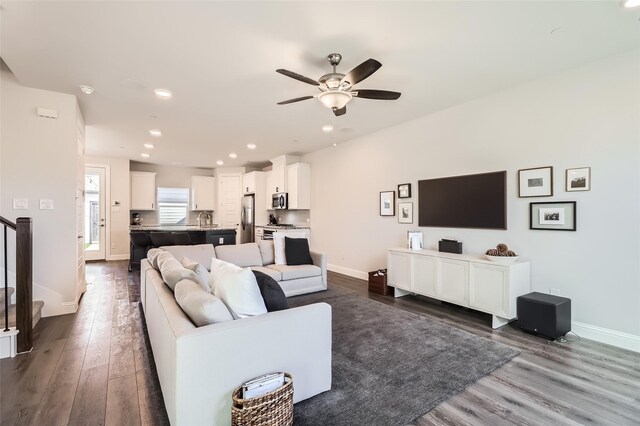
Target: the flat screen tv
(472, 201)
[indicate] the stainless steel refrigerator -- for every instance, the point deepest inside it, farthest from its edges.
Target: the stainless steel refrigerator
(247, 219)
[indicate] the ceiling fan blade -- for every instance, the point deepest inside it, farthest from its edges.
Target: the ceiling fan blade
(361, 72)
(298, 77)
(290, 101)
(384, 95)
(341, 111)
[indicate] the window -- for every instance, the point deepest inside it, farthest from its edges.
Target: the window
(172, 205)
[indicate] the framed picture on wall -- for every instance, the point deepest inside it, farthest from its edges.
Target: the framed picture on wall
(579, 179)
(558, 216)
(405, 212)
(536, 182)
(387, 203)
(404, 190)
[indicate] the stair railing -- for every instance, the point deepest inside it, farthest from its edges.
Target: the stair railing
(24, 280)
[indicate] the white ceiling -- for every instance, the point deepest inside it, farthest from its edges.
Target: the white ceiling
(219, 60)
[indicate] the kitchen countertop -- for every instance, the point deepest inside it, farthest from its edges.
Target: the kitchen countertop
(177, 228)
(283, 227)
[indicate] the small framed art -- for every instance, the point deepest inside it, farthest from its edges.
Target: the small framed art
(404, 190)
(558, 216)
(387, 203)
(536, 182)
(405, 212)
(579, 179)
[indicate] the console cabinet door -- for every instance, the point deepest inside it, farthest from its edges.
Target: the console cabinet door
(453, 283)
(424, 273)
(489, 289)
(399, 270)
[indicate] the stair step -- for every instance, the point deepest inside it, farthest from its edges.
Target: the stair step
(11, 291)
(36, 312)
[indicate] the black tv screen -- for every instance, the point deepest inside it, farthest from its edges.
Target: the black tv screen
(472, 201)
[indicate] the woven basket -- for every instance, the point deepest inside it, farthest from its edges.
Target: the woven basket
(271, 409)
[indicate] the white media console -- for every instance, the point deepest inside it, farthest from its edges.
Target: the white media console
(464, 280)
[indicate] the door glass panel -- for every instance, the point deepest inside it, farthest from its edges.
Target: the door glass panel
(91, 212)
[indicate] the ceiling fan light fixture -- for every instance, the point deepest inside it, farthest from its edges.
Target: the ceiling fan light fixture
(334, 99)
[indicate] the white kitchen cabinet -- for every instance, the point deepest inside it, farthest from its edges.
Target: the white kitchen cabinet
(143, 191)
(203, 193)
(464, 280)
(278, 178)
(453, 285)
(268, 179)
(249, 182)
(259, 232)
(299, 186)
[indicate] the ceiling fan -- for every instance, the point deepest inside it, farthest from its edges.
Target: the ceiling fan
(337, 89)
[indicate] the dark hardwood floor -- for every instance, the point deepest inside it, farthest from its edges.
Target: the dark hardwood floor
(95, 367)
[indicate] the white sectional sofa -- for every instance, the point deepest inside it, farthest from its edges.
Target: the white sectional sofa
(294, 280)
(198, 367)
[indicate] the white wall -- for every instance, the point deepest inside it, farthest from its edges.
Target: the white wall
(587, 116)
(117, 215)
(39, 161)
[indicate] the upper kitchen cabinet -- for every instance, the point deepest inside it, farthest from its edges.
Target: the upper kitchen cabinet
(251, 182)
(299, 186)
(278, 178)
(203, 191)
(143, 191)
(268, 184)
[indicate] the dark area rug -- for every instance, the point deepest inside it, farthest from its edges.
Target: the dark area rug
(391, 366)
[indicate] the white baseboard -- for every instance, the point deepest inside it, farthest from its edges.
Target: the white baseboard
(605, 335)
(118, 257)
(348, 271)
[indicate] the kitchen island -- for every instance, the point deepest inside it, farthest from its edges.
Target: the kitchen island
(145, 237)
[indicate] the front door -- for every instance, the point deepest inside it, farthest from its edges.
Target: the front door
(94, 213)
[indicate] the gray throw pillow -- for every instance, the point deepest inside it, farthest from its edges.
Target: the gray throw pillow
(202, 307)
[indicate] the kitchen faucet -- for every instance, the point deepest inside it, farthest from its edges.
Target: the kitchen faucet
(208, 218)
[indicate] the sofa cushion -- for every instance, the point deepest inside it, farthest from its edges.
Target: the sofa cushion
(266, 251)
(272, 294)
(293, 272)
(276, 275)
(296, 251)
(238, 289)
(278, 245)
(201, 253)
(200, 270)
(172, 271)
(202, 307)
(152, 257)
(242, 255)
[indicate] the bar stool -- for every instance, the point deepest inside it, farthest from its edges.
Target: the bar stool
(140, 244)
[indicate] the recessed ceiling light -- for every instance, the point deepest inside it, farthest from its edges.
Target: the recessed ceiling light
(327, 128)
(233, 155)
(631, 3)
(251, 146)
(219, 162)
(334, 144)
(145, 155)
(163, 93)
(156, 133)
(87, 90)
(149, 145)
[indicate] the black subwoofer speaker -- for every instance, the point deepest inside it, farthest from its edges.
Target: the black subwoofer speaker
(544, 314)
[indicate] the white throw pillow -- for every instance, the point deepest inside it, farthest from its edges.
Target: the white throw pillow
(238, 289)
(201, 306)
(278, 245)
(217, 268)
(172, 271)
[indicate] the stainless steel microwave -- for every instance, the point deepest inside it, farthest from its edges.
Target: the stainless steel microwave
(279, 201)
